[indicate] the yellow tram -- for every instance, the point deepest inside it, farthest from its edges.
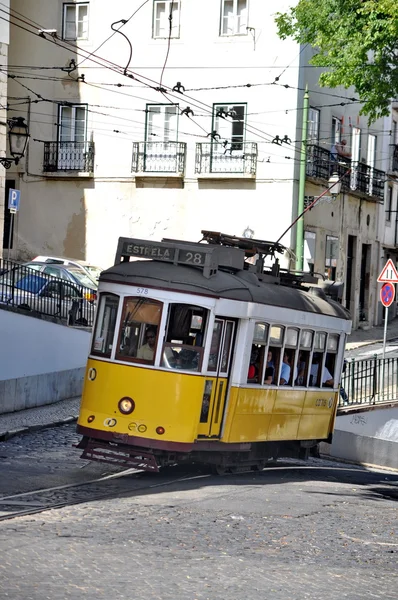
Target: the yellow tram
(202, 354)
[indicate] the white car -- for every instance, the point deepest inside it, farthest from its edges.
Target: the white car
(92, 270)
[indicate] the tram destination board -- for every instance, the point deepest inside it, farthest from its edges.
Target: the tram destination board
(195, 255)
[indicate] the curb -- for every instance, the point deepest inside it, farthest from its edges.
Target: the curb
(6, 435)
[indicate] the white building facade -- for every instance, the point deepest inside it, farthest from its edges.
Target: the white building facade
(188, 118)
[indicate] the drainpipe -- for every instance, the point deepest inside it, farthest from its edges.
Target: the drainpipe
(303, 165)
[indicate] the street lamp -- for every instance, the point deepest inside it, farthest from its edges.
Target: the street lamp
(18, 136)
(334, 184)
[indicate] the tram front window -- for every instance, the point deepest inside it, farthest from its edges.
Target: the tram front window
(183, 347)
(138, 330)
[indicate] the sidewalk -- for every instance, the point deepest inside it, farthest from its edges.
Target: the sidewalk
(360, 337)
(67, 411)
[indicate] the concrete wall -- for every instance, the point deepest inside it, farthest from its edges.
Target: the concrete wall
(40, 362)
(366, 435)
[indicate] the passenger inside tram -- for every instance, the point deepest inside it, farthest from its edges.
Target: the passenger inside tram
(270, 369)
(147, 350)
(327, 378)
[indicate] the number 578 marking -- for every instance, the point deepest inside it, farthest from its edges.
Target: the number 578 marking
(142, 291)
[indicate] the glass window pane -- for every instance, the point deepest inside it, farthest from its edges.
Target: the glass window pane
(320, 340)
(276, 336)
(291, 337)
(260, 333)
(70, 23)
(306, 339)
(228, 17)
(333, 342)
(181, 357)
(105, 324)
(139, 329)
(66, 124)
(82, 22)
(215, 346)
(241, 20)
(226, 353)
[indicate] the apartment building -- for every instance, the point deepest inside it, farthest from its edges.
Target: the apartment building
(163, 118)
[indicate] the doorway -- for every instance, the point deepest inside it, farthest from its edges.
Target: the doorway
(216, 386)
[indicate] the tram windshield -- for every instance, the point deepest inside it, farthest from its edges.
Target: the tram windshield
(183, 347)
(139, 330)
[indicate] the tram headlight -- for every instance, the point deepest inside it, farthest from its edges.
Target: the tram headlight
(160, 430)
(126, 405)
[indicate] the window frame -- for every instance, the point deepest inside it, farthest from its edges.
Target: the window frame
(101, 296)
(163, 135)
(235, 16)
(168, 342)
(330, 260)
(76, 5)
(168, 4)
(61, 108)
(233, 141)
(134, 359)
(313, 125)
(389, 201)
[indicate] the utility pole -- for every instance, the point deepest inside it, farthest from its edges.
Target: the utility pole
(303, 165)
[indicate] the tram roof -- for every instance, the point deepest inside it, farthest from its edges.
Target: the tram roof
(241, 285)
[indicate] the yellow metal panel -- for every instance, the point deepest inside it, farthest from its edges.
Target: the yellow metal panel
(289, 401)
(283, 427)
(162, 398)
(247, 428)
(320, 402)
(254, 401)
(314, 427)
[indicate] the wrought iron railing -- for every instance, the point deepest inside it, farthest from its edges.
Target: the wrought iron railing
(158, 157)
(370, 381)
(30, 290)
(361, 177)
(68, 156)
(215, 157)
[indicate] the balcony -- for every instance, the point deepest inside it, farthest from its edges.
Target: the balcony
(68, 156)
(238, 158)
(362, 178)
(159, 158)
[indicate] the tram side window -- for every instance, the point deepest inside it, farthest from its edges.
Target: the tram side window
(289, 370)
(257, 362)
(105, 325)
(304, 357)
(139, 330)
(185, 334)
(317, 373)
(328, 378)
(274, 357)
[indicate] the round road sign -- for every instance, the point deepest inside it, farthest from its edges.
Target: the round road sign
(387, 294)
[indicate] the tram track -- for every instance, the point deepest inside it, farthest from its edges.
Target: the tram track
(53, 498)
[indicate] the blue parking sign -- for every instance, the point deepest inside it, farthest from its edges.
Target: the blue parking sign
(13, 199)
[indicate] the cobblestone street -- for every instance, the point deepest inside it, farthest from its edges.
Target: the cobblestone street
(297, 530)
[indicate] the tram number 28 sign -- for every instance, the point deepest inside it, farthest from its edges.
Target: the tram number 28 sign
(387, 294)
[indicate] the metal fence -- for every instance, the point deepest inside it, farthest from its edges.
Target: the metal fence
(68, 156)
(30, 290)
(370, 381)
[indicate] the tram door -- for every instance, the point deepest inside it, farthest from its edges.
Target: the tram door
(215, 389)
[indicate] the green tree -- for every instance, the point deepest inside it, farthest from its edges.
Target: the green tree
(356, 39)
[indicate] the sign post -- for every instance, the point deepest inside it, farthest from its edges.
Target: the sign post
(14, 197)
(388, 277)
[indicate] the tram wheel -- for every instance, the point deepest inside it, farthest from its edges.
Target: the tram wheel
(219, 470)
